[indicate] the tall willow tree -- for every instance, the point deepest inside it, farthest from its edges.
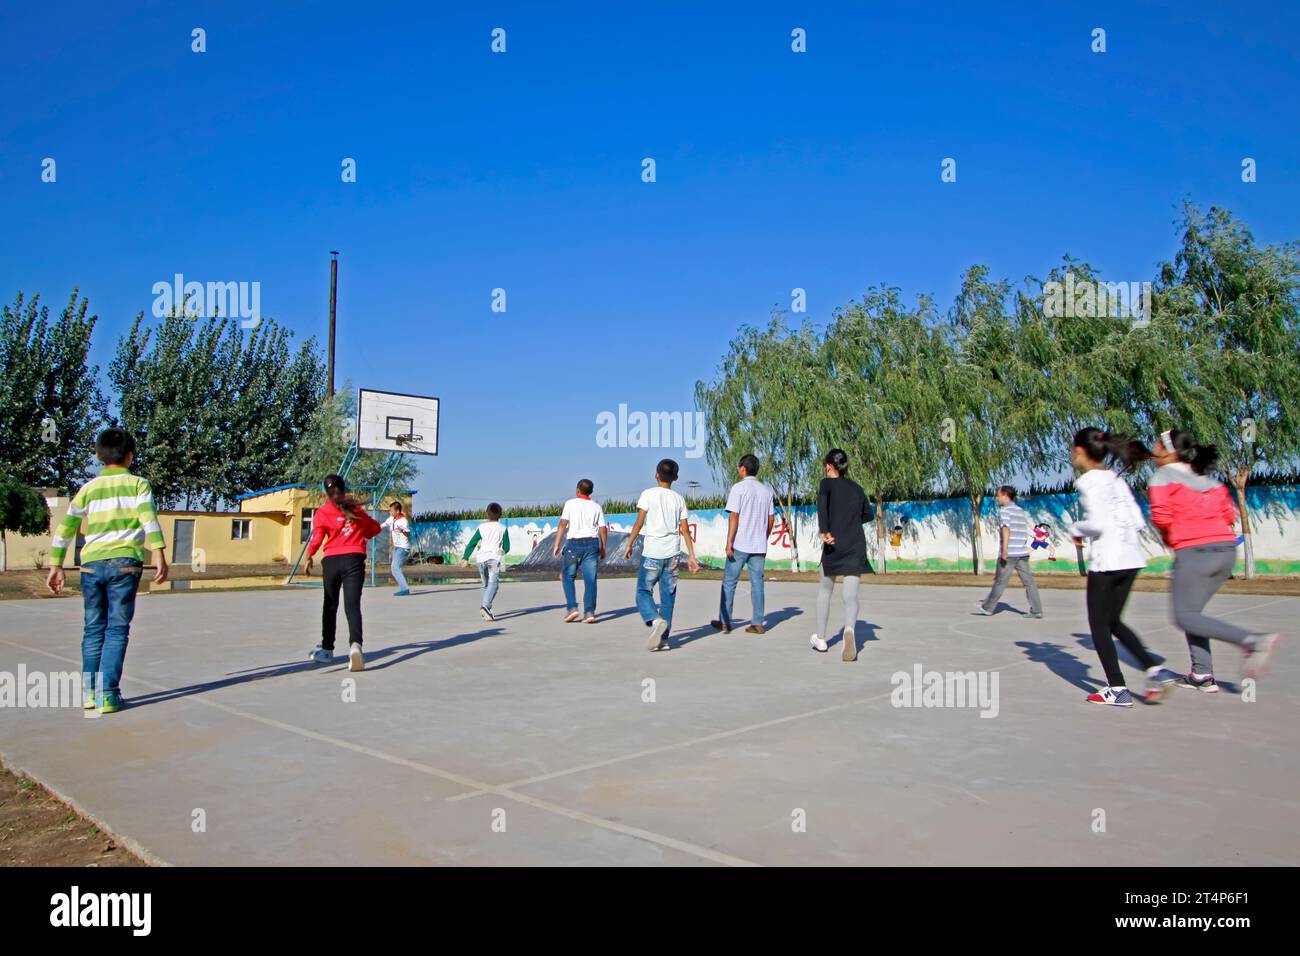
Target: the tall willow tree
(1227, 357)
(767, 400)
(885, 409)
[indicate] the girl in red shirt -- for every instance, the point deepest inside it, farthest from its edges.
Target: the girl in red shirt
(344, 527)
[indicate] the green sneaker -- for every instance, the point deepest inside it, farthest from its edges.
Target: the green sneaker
(112, 703)
(88, 701)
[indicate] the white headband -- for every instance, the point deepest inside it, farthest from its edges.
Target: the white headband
(1167, 440)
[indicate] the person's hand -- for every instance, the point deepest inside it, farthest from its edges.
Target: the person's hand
(1002, 560)
(54, 580)
(160, 575)
(828, 537)
(602, 552)
(731, 552)
(555, 551)
(693, 564)
(307, 570)
(627, 552)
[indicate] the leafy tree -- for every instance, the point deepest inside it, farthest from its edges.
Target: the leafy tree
(22, 511)
(885, 410)
(767, 400)
(1228, 357)
(50, 402)
(215, 413)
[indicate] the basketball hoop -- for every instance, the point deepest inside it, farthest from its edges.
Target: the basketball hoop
(407, 439)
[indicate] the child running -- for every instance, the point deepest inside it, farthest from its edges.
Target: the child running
(492, 538)
(1195, 515)
(1113, 522)
(662, 513)
(344, 527)
(583, 520)
(117, 512)
(842, 509)
(399, 530)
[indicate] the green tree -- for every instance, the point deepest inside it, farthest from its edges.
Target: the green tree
(881, 358)
(767, 400)
(50, 402)
(1228, 357)
(22, 511)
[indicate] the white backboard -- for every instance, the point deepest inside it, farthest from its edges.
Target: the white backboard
(390, 421)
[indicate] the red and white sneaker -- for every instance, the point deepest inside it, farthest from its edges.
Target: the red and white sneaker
(1112, 697)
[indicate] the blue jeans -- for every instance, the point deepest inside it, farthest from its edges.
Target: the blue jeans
(399, 559)
(731, 577)
(584, 551)
(108, 590)
(489, 573)
(661, 571)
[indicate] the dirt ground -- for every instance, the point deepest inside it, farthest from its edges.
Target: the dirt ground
(38, 829)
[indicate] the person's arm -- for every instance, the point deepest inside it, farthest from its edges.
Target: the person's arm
(318, 536)
(153, 536)
(367, 525)
(733, 523)
(636, 530)
(868, 510)
(469, 548)
(65, 536)
(684, 529)
(559, 536)
(1005, 535)
(824, 511)
(1090, 525)
(388, 523)
(1162, 512)
(1228, 507)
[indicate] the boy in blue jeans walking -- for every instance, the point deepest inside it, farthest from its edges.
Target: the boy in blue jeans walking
(662, 512)
(117, 511)
(583, 520)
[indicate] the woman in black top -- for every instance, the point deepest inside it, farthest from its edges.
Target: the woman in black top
(842, 510)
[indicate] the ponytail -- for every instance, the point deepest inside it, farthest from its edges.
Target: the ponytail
(1183, 444)
(1102, 446)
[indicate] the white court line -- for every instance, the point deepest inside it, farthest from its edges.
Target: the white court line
(659, 839)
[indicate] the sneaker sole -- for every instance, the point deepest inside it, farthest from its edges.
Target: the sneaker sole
(850, 646)
(656, 635)
(356, 660)
(571, 618)
(819, 650)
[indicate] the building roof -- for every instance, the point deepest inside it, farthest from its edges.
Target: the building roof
(267, 491)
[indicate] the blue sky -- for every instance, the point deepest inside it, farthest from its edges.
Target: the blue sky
(522, 171)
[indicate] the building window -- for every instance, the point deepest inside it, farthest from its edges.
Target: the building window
(241, 529)
(307, 515)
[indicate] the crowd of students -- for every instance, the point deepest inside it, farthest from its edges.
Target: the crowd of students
(1193, 513)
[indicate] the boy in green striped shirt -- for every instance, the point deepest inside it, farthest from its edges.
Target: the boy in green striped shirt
(117, 512)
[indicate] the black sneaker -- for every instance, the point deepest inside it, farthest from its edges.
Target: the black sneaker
(1205, 685)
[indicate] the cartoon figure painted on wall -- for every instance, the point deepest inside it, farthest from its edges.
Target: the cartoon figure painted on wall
(1043, 540)
(896, 537)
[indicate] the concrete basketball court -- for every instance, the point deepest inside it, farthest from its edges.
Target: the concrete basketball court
(527, 741)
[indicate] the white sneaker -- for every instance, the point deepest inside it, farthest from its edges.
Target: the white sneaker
(817, 644)
(356, 660)
(657, 634)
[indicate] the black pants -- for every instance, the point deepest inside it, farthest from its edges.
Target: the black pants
(346, 572)
(1107, 594)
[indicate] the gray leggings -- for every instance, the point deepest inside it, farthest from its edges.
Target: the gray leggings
(849, 595)
(1199, 572)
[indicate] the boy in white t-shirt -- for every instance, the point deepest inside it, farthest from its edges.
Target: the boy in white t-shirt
(492, 538)
(661, 515)
(583, 520)
(399, 529)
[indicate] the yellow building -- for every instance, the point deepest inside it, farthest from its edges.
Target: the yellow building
(270, 527)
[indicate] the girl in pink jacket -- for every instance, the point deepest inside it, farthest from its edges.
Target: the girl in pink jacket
(1195, 516)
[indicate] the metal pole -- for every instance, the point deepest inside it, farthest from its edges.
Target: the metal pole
(334, 289)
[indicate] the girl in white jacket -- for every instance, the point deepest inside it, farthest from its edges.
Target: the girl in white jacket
(1113, 523)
